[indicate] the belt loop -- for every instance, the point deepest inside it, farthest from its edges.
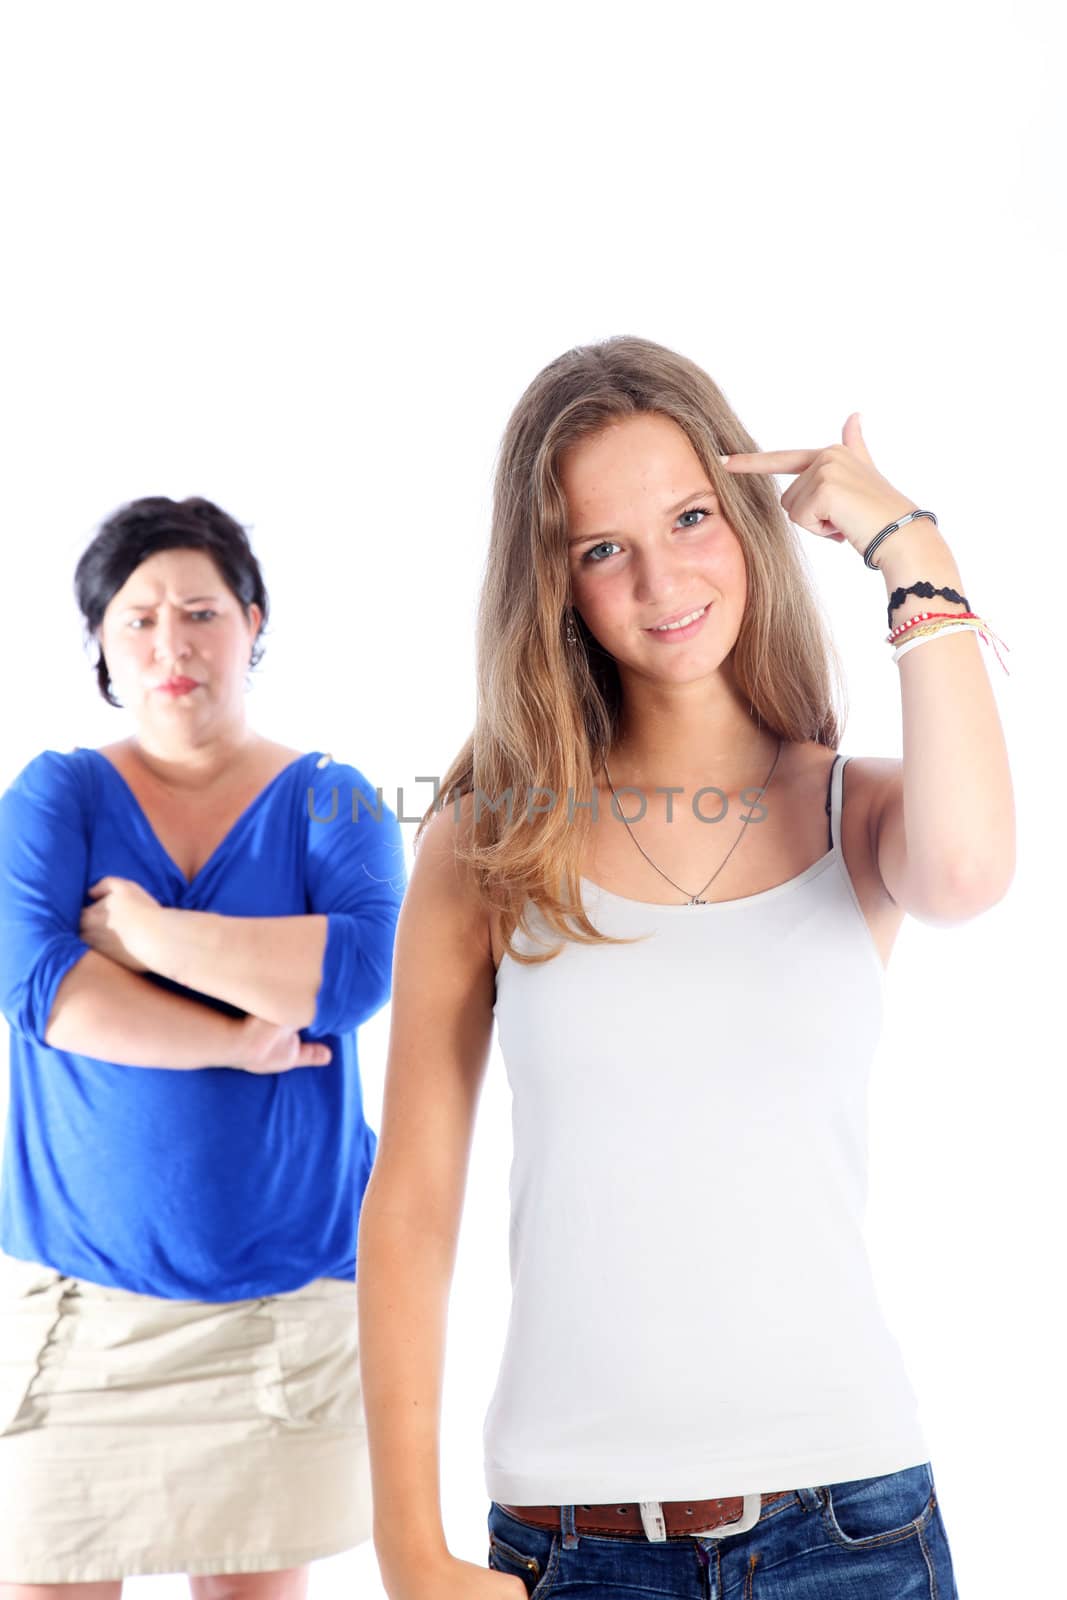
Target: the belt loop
(567, 1528)
(653, 1521)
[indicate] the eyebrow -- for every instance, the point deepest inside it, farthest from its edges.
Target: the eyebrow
(698, 494)
(189, 600)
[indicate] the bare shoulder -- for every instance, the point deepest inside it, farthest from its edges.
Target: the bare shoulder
(443, 898)
(868, 786)
(871, 783)
(868, 780)
(284, 752)
(114, 751)
(875, 781)
(270, 756)
(441, 1022)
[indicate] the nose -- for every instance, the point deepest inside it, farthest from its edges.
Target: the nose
(657, 576)
(171, 643)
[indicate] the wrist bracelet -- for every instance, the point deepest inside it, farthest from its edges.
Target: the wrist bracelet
(892, 528)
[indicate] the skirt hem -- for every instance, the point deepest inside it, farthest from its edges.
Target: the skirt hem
(104, 1570)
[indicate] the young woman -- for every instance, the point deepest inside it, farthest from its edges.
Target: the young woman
(179, 1375)
(698, 1395)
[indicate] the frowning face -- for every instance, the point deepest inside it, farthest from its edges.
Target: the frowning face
(177, 642)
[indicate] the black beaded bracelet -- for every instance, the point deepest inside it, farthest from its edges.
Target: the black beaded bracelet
(925, 591)
(892, 528)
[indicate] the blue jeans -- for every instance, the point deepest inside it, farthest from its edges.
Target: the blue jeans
(869, 1539)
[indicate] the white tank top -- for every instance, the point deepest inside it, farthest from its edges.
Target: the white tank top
(693, 1312)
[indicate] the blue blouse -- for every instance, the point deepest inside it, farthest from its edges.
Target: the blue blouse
(214, 1183)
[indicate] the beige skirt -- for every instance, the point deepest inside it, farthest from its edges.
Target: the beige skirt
(144, 1435)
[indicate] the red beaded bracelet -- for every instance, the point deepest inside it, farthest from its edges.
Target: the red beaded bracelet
(928, 616)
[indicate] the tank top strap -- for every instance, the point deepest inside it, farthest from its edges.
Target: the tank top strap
(835, 798)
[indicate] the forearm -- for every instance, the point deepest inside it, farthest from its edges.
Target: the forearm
(403, 1274)
(104, 1010)
(958, 804)
(270, 967)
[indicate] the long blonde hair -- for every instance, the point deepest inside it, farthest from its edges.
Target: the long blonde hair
(547, 712)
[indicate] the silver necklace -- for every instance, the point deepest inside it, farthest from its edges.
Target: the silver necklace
(694, 900)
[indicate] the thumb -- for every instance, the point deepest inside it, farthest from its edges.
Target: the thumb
(315, 1055)
(852, 436)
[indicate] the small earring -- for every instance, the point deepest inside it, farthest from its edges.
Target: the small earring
(572, 634)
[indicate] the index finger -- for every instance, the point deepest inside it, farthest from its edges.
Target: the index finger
(770, 460)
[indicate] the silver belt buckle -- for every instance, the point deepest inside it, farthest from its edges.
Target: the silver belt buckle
(655, 1526)
(750, 1513)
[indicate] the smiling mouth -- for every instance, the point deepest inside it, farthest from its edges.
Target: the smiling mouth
(679, 622)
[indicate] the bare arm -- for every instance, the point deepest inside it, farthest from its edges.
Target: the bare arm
(943, 821)
(268, 966)
(441, 1029)
(102, 1009)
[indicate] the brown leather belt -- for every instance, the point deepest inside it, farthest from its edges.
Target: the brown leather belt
(680, 1517)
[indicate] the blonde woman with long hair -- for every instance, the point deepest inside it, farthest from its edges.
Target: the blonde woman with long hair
(698, 1394)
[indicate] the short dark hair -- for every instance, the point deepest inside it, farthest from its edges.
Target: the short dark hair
(142, 527)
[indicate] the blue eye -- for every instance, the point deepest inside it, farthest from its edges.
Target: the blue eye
(694, 511)
(589, 554)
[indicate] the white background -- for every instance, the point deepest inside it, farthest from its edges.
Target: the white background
(303, 259)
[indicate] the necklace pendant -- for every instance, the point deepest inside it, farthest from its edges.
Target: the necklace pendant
(696, 901)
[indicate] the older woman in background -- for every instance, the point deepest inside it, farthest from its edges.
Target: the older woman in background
(187, 916)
